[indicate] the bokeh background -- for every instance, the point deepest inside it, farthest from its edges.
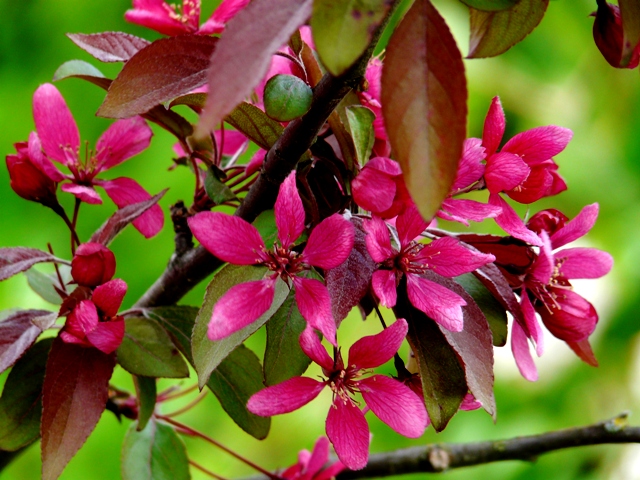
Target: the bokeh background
(555, 76)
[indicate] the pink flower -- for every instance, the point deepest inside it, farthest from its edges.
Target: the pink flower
(93, 264)
(236, 241)
(311, 465)
(94, 322)
(158, 15)
(28, 181)
(57, 139)
(445, 256)
(390, 400)
(370, 98)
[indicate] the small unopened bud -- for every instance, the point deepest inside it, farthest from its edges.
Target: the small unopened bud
(28, 181)
(93, 264)
(609, 36)
(550, 221)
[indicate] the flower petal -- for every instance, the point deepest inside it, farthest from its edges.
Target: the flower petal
(107, 336)
(539, 144)
(84, 193)
(289, 212)
(318, 458)
(314, 303)
(377, 240)
(373, 190)
(284, 397)
(511, 223)
(159, 16)
(463, 210)
(330, 242)
(494, 125)
(438, 302)
(375, 350)
(395, 404)
(584, 351)
(232, 141)
(239, 307)
(221, 15)
(312, 347)
(505, 171)
(521, 354)
(446, 256)
(41, 161)
(384, 286)
(229, 238)
(108, 296)
(531, 323)
(574, 320)
(577, 227)
(82, 319)
(584, 262)
(348, 431)
(409, 224)
(121, 141)
(470, 168)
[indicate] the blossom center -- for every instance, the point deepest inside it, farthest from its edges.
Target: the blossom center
(284, 262)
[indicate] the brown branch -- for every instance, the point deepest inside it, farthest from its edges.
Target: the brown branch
(186, 270)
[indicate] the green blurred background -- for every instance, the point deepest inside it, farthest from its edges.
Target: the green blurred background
(555, 76)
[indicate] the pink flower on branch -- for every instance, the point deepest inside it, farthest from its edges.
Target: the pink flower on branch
(236, 241)
(389, 399)
(311, 465)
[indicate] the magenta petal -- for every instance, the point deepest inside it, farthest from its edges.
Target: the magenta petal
(494, 125)
(470, 168)
(377, 240)
(107, 336)
(521, 354)
(41, 161)
(289, 212)
(463, 210)
(159, 16)
(82, 319)
(312, 347)
(542, 269)
(511, 223)
(285, 397)
(384, 286)
(577, 227)
(314, 303)
(232, 141)
(395, 404)
(409, 224)
(108, 296)
(446, 256)
(84, 193)
(584, 262)
(539, 144)
(531, 323)
(122, 140)
(318, 458)
(225, 12)
(231, 239)
(348, 431)
(470, 403)
(373, 190)
(574, 320)
(505, 171)
(438, 302)
(375, 350)
(55, 125)
(330, 242)
(239, 307)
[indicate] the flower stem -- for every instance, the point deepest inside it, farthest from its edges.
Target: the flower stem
(208, 472)
(55, 265)
(74, 222)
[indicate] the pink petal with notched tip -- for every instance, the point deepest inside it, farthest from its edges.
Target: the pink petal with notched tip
(125, 191)
(314, 303)
(159, 16)
(107, 336)
(576, 227)
(438, 302)
(349, 433)
(41, 161)
(377, 240)
(56, 127)
(375, 350)
(284, 397)
(470, 168)
(84, 193)
(446, 256)
(395, 404)
(511, 223)
(384, 286)
(108, 296)
(531, 323)
(221, 15)
(583, 262)
(312, 347)
(373, 189)
(539, 144)
(289, 212)
(330, 242)
(505, 171)
(521, 353)
(494, 125)
(463, 210)
(409, 225)
(229, 238)
(240, 306)
(121, 141)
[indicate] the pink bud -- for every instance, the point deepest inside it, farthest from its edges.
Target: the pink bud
(550, 221)
(609, 36)
(93, 265)
(28, 181)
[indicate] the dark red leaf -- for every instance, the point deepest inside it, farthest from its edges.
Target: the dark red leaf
(244, 52)
(630, 13)
(165, 69)
(109, 46)
(493, 33)
(76, 387)
(17, 334)
(424, 104)
(123, 217)
(18, 259)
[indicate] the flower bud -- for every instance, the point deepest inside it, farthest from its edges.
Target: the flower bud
(550, 221)
(93, 264)
(28, 181)
(609, 36)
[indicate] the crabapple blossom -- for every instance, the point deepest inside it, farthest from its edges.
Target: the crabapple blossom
(93, 264)
(311, 465)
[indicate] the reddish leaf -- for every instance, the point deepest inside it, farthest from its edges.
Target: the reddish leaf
(348, 283)
(424, 103)
(243, 54)
(75, 393)
(17, 334)
(18, 259)
(109, 46)
(493, 33)
(165, 69)
(630, 13)
(123, 217)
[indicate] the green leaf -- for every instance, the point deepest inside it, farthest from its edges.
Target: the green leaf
(207, 355)
(266, 225)
(178, 321)
(342, 29)
(21, 402)
(495, 313)
(237, 378)
(147, 396)
(424, 104)
(155, 453)
(287, 97)
(217, 191)
(255, 124)
(283, 357)
(148, 351)
(493, 33)
(490, 5)
(42, 283)
(83, 70)
(196, 100)
(360, 124)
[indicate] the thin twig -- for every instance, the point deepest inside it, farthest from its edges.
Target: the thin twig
(208, 472)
